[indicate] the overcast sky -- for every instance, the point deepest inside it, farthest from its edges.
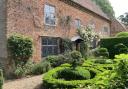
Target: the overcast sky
(120, 6)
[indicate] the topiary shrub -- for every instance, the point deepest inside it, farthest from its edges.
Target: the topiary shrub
(20, 47)
(120, 48)
(76, 59)
(122, 34)
(101, 52)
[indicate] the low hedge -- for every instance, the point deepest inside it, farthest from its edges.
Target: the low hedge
(51, 82)
(109, 43)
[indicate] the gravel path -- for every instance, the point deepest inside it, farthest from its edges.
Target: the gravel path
(26, 83)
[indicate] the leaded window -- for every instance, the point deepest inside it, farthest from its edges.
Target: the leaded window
(49, 46)
(49, 13)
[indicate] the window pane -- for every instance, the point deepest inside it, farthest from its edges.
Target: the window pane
(77, 23)
(44, 41)
(50, 42)
(50, 50)
(52, 9)
(44, 51)
(46, 9)
(55, 49)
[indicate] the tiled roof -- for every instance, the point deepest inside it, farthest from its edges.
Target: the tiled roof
(90, 5)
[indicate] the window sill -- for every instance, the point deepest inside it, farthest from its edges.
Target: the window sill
(50, 25)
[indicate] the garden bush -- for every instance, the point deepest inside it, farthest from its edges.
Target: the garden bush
(109, 43)
(122, 34)
(56, 60)
(1, 79)
(19, 72)
(76, 59)
(50, 80)
(20, 47)
(101, 52)
(41, 68)
(120, 48)
(77, 74)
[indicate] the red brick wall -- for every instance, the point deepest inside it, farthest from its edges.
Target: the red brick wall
(116, 27)
(27, 17)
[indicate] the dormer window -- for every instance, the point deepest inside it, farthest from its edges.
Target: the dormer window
(49, 13)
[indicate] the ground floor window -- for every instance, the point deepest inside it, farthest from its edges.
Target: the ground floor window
(50, 46)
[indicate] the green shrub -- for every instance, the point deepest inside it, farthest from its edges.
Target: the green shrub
(56, 60)
(101, 52)
(77, 74)
(109, 43)
(41, 68)
(76, 59)
(122, 34)
(19, 72)
(120, 48)
(100, 61)
(1, 79)
(20, 47)
(50, 80)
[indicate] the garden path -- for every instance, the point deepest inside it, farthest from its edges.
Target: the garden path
(25, 83)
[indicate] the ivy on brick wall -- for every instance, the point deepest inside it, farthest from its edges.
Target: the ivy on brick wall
(20, 47)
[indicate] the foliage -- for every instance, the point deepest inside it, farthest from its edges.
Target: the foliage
(106, 7)
(1, 79)
(100, 61)
(121, 57)
(87, 36)
(31, 68)
(41, 68)
(122, 34)
(19, 72)
(109, 43)
(101, 52)
(50, 80)
(78, 74)
(56, 60)
(67, 44)
(124, 19)
(121, 80)
(120, 48)
(20, 47)
(76, 59)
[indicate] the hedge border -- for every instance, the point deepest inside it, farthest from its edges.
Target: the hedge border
(50, 82)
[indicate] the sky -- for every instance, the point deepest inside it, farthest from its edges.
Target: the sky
(120, 6)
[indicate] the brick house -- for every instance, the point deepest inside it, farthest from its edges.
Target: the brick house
(46, 21)
(116, 27)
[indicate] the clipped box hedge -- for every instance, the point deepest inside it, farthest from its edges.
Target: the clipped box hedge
(50, 82)
(109, 43)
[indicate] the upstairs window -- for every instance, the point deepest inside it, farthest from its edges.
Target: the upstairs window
(49, 13)
(105, 30)
(77, 23)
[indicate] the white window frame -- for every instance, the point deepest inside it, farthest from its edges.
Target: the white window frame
(52, 14)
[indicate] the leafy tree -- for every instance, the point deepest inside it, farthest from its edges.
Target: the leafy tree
(87, 35)
(124, 19)
(106, 7)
